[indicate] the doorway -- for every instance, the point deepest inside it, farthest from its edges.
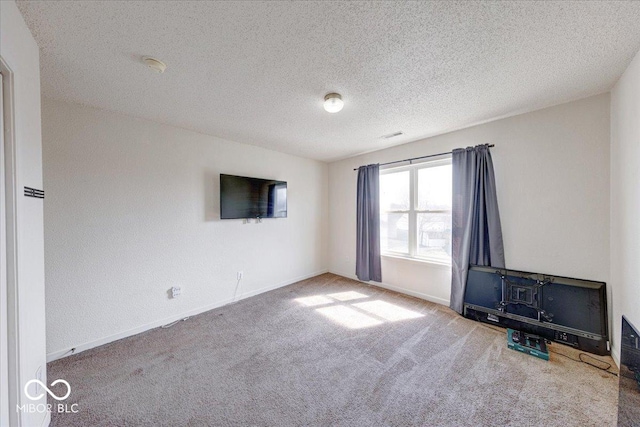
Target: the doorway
(8, 324)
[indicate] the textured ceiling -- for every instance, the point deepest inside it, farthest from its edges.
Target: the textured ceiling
(256, 72)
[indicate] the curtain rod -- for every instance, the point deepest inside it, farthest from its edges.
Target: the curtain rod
(418, 158)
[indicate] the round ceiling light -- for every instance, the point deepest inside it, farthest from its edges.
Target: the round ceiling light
(154, 64)
(333, 102)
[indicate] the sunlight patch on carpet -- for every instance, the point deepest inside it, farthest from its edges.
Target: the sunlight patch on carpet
(346, 316)
(387, 311)
(314, 300)
(347, 296)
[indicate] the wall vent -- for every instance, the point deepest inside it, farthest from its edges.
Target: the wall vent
(33, 192)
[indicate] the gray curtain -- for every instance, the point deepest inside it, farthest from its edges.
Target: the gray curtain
(368, 235)
(476, 233)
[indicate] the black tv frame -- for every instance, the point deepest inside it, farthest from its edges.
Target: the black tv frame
(629, 377)
(589, 341)
(251, 216)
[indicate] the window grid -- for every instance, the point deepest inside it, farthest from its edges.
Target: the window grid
(412, 212)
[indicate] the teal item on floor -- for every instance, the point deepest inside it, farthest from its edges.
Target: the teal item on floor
(527, 343)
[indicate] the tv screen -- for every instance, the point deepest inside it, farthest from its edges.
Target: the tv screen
(244, 197)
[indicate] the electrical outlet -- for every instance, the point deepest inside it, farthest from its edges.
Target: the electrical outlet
(240, 275)
(176, 291)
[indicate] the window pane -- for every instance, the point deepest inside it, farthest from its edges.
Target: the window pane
(434, 188)
(394, 232)
(394, 191)
(434, 236)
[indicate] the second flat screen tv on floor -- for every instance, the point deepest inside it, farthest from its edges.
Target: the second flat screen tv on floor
(566, 310)
(244, 197)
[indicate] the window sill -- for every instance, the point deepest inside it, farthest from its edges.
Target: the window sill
(421, 261)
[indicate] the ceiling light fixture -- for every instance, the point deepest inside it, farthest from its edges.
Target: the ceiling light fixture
(333, 102)
(154, 64)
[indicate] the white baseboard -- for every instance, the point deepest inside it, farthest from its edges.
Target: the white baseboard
(615, 357)
(142, 328)
(420, 295)
(398, 289)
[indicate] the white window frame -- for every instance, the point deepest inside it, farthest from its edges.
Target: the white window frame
(413, 212)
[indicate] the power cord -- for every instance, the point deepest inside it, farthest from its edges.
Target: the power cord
(585, 355)
(72, 351)
(168, 325)
(580, 358)
(233, 300)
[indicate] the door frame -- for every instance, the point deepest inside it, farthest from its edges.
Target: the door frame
(9, 332)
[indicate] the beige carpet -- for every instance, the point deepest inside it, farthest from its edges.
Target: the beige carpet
(330, 351)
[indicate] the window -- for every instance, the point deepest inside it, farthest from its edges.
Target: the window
(415, 211)
(280, 200)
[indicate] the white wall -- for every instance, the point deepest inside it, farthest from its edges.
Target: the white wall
(132, 209)
(625, 199)
(552, 173)
(20, 52)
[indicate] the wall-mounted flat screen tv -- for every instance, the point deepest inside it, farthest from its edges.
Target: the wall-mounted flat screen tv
(244, 197)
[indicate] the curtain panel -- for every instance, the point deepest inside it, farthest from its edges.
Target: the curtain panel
(368, 219)
(476, 231)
